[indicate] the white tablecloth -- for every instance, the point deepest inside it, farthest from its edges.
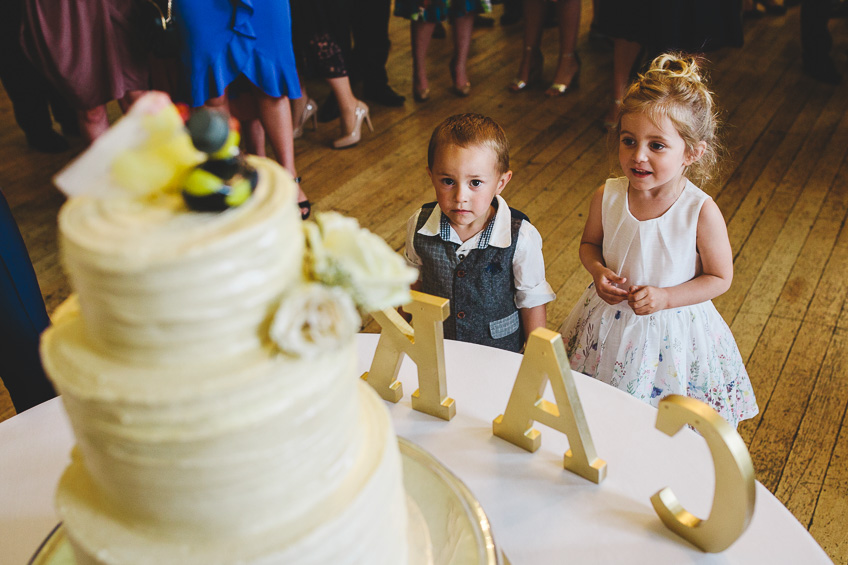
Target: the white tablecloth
(539, 512)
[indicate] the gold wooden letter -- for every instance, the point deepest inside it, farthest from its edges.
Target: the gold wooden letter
(425, 345)
(545, 358)
(733, 501)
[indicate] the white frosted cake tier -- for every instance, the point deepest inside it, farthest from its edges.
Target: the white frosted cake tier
(357, 524)
(161, 285)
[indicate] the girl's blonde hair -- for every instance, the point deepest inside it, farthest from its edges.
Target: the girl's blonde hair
(675, 86)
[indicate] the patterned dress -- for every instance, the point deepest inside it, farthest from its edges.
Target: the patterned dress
(689, 350)
(439, 10)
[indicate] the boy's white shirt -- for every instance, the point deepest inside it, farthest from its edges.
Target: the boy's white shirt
(528, 263)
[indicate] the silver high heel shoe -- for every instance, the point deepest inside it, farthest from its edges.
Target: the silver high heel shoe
(361, 114)
(309, 111)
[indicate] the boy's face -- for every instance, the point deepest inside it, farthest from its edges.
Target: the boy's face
(466, 180)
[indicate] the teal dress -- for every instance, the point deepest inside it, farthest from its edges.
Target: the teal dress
(439, 10)
(224, 40)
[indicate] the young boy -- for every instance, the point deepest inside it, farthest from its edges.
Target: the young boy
(472, 249)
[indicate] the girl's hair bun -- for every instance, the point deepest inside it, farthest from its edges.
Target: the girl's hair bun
(675, 86)
(676, 65)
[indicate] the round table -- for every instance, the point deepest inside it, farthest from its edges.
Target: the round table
(539, 512)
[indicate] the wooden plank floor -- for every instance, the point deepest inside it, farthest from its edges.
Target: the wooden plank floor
(783, 192)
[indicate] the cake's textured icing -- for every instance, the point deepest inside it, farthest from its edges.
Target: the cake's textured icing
(200, 437)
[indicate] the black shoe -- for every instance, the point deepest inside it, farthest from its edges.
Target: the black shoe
(70, 127)
(47, 141)
(439, 31)
(383, 95)
(328, 110)
(823, 70)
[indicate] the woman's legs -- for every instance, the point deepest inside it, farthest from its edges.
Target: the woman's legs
(93, 122)
(568, 16)
(244, 109)
(347, 102)
(534, 13)
(624, 57)
(420, 33)
(462, 28)
(275, 115)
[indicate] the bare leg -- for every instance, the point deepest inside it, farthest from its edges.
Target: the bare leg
(421, 33)
(93, 122)
(244, 109)
(568, 16)
(462, 28)
(275, 115)
(219, 103)
(129, 99)
(624, 57)
(347, 103)
(299, 104)
(534, 13)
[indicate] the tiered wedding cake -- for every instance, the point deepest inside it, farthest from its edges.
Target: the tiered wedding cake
(207, 365)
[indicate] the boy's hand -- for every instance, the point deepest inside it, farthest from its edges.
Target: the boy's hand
(605, 285)
(647, 299)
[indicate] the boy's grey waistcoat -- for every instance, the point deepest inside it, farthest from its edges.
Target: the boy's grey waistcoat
(480, 286)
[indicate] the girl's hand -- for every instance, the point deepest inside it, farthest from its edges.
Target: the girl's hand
(605, 285)
(647, 299)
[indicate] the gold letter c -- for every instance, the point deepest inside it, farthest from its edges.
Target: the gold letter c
(735, 489)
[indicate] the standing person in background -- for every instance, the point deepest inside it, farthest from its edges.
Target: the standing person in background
(423, 16)
(656, 26)
(568, 66)
(816, 41)
(31, 95)
(22, 319)
(371, 45)
(321, 37)
(90, 51)
(225, 42)
(369, 25)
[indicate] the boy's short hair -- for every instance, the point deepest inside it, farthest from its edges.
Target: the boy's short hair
(465, 130)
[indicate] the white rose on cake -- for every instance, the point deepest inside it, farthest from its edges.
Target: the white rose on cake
(314, 318)
(346, 255)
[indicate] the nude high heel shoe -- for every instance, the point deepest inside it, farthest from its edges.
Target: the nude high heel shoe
(362, 114)
(309, 111)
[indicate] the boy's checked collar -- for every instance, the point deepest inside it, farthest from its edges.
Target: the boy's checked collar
(497, 232)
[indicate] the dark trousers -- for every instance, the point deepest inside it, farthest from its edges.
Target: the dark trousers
(370, 28)
(30, 93)
(22, 319)
(816, 40)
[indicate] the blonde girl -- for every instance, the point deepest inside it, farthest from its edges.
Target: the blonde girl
(657, 248)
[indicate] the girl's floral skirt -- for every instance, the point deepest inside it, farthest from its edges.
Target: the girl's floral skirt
(688, 351)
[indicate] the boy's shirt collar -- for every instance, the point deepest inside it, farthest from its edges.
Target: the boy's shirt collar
(497, 232)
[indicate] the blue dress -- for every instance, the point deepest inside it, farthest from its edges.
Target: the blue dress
(225, 39)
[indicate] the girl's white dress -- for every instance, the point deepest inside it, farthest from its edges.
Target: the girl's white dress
(689, 350)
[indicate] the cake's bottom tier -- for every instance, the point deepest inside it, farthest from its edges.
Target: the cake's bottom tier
(367, 526)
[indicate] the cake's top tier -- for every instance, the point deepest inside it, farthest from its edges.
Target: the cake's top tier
(158, 284)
